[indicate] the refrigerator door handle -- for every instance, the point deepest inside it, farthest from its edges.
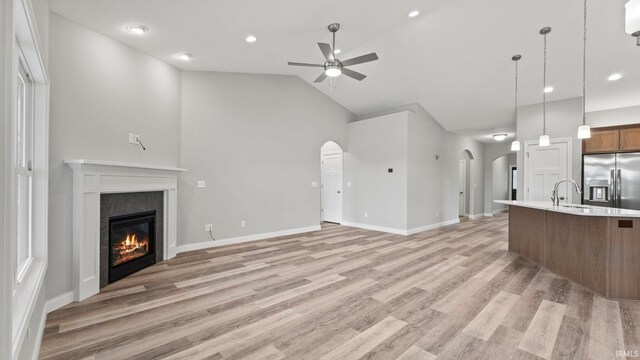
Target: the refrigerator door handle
(612, 189)
(619, 188)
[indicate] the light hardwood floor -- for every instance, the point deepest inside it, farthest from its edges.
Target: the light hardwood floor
(345, 293)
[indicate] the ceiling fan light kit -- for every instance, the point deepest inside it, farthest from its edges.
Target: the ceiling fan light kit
(334, 67)
(632, 19)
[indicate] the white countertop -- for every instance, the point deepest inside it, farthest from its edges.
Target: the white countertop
(573, 209)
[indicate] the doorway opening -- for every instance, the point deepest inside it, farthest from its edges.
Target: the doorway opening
(464, 183)
(503, 169)
(331, 183)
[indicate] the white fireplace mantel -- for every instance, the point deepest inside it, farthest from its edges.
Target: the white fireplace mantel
(91, 178)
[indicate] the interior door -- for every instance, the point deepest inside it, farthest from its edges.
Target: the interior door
(546, 165)
(331, 188)
(461, 187)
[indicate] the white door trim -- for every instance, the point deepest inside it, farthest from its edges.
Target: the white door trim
(569, 142)
(341, 178)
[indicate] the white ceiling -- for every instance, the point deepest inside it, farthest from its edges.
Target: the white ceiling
(454, 58)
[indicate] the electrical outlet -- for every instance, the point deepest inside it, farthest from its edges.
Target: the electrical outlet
(348, 183)
(243, 223)
(208, 227)
(437, 213)
(314, 184)
(366, 215)
(132, 138)
(201, 184)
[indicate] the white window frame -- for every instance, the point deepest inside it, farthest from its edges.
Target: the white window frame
(25, 125)
(25, 283)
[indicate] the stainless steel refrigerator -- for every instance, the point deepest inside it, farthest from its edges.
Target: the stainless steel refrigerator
(612, 180)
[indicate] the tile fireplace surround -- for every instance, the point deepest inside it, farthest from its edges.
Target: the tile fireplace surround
(92, 178)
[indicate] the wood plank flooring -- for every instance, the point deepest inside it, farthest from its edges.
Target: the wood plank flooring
(346, 293)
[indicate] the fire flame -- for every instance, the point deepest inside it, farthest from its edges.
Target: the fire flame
(129, 248)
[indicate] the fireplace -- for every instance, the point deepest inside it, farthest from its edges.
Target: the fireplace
(132, 243)
(131, 233)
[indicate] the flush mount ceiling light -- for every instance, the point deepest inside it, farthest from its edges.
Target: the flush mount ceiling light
(137, 29)
(515, 144)
(632, 21)
(184, 56)
(549, 89)
(614, 77)
(499, 137)
(414, 13)
(251, 39)
(584, 131)
(544, 138)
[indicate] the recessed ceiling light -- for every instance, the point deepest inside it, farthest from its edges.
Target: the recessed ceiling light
(337, 51)
(499, 137)
(251, 39)
(549, 89)
(414, 13)
(184, 56)
(137, 29)
(614, 77)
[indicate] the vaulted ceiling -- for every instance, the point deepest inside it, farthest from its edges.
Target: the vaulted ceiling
(454, 58)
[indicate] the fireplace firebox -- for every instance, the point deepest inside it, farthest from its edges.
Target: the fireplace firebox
(132, 243)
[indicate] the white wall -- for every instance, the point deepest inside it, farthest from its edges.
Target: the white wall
(255, 140)
(374, 146)
(492, 152)
(563, 119)
(425, 192)
(100, 91)
(613, 117)
(500, 177)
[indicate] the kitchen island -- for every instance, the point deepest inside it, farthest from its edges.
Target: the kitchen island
(596, 247)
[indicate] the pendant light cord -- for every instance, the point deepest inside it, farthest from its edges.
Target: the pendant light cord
(516, 91)
(544, 87)
(584, 68)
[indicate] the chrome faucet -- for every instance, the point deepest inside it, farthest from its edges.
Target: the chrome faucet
(555, 198)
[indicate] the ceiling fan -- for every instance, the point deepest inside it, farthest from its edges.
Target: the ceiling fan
(334, 67)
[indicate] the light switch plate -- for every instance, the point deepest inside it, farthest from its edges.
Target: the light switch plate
(201, 184)
(132, 138)
(314, 184)
(348, 183)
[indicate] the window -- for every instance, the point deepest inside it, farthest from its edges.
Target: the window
(24, 168)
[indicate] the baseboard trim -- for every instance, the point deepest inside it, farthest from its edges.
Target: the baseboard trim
(375, 228)
(432, 226)
(476, 216)
(242, 239)
(58, 302)
(39, 333)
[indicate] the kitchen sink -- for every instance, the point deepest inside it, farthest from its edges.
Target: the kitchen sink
(575, 206)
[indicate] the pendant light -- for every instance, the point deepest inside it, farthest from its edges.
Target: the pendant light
(515, 144)
(544, 138)
(584, 131)
(632, 19)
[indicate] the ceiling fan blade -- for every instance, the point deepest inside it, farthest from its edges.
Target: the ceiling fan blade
(326, 51)
(360, 59)
(321, 78)
(304, 64)
(353, 74)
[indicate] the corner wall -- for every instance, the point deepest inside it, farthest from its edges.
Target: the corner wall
(255, 140)
(377, 198)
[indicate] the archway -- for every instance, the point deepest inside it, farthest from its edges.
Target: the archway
(331, 182)
(503, 177)
(465, 197)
